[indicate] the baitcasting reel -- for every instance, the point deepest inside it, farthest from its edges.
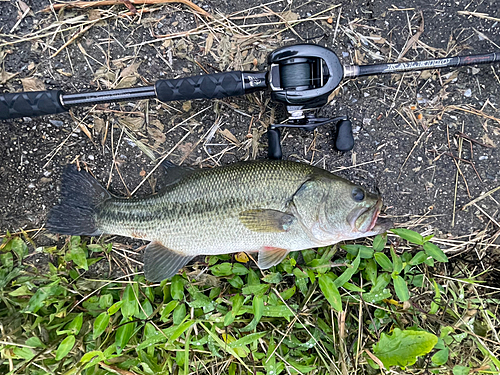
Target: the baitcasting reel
(301, 76)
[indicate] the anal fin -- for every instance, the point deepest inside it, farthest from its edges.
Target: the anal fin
(161, 263)
(271, 256)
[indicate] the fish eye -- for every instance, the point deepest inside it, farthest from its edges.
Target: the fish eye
(358, 194)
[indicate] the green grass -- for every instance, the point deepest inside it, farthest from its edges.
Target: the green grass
(335, 310)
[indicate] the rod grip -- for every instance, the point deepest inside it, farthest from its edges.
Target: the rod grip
(30, 104)
(209, 86)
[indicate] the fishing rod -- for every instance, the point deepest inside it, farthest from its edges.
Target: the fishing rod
(301, 76)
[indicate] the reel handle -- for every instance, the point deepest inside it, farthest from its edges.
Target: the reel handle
(344, 139)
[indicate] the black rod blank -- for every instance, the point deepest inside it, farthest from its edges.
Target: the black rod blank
(367, 70)
(108, 96)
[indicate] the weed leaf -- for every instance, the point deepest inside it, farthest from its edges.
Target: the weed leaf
(403, 347)
(409, 235)
(65, 347)
(435, 252)
(330, 291)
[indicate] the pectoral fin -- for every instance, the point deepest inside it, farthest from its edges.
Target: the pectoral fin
(267, 220)
(161, 263)
(271, 256)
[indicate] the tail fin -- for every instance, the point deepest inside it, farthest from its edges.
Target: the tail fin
(80, 195)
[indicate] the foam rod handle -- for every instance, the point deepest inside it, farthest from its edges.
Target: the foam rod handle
(30, 104)
(209, 86)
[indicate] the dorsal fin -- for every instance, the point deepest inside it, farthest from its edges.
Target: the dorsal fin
(174, 173)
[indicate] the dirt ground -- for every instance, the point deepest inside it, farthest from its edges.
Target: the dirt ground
(413, 131)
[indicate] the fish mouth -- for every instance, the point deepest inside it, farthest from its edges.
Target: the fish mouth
(367, 219)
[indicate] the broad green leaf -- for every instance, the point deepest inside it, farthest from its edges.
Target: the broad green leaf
(159, 337)
(37, 301)
(401, 288)
(92, 358)
(409, 235)
(177, 287)
(379, 242)
(289, 293)
(21, 291)
(396, 261)
(440, 344)
(123, 334)
(437, 299)
(272, 278)
(330, 292)
(105, 301)
(461, 370)
(403, 347)
(270, 364)
(429, 237)
(377, 295)
(370, 271)
(237, 301)
(179, 314)
(241, 350)
(383, 261)
(382, 281)
(301, 367)
(445, 334)
(236, 282)
(115, 307)
(353, 288)
(229, 319)
(223, 269)
(258, 310)
(65, 347)
(78, 255)
(18, 246)
(73, 327)
(435, 252)
(258, 290)
(419, 258)
(280, 311)
(363, 251)
(169, 307)
(181, 329)
(100, 324)
(248, 339)
(239, 269)
(130, 305)
(7, 260)
(36, 342)
(200, 300)
(441, 357)
(253, 278)
(347, 274)
(95, 247)
(417, 280)
(24, 353)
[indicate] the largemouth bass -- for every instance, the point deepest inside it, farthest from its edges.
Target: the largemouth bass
(271, 207)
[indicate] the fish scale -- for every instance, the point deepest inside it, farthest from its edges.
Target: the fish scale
(269, 206)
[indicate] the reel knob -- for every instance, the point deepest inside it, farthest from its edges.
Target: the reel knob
(344, 140)
(274, 144)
